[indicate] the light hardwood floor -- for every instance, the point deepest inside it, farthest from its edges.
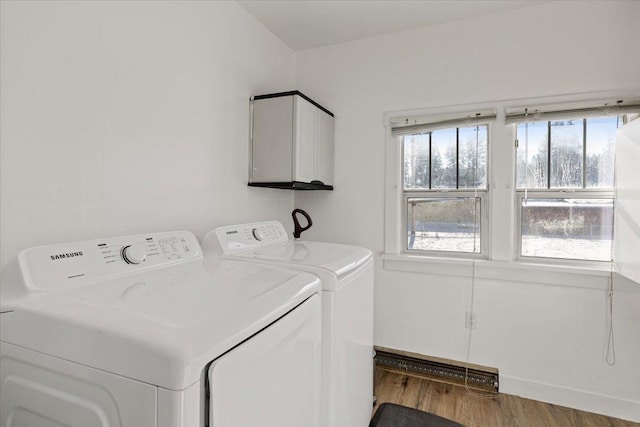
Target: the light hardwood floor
(454, 402)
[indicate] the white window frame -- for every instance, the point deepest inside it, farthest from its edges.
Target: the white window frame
(448, 194)
(501, 205)
(555, 193)
(396, 230)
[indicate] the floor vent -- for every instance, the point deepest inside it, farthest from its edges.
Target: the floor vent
(478, 377)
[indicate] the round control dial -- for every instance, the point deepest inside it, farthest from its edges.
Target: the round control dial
(259, 235)
(134, 254)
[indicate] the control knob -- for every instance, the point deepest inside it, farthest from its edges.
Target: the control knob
(133, 254)
(258, 234)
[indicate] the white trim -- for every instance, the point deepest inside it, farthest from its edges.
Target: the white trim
(392, 194)
(572, 398)
(593, 276)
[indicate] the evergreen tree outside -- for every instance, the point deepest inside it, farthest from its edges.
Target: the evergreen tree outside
(575, 155)
(443, 150)
(567, 154)
(449, 159)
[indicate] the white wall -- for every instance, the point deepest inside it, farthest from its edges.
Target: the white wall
(547, 337)
(130, 117)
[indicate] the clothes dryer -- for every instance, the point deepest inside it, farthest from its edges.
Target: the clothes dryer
(141, 331)
(346, 273)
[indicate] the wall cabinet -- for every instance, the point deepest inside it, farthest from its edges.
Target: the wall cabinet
(291, 143)
(627, 210)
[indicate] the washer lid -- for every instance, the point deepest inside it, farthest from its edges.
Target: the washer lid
(267, 241)
(163, 326)
(335, 258)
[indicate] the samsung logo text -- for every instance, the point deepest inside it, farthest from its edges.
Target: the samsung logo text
(65, 256)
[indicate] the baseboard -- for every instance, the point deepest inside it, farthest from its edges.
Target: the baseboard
(577, 399)
(438, 369)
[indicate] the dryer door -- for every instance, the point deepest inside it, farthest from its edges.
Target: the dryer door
(272, 379)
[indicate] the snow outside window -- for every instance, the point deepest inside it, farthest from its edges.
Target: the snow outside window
(445, 190)
(564, 176)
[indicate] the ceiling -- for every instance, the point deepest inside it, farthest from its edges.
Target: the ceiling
(307, 24)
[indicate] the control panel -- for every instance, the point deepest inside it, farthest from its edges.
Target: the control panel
(67, 265)
(235, 238)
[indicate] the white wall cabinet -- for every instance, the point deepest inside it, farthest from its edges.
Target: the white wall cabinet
(291, 143)
(627, 211)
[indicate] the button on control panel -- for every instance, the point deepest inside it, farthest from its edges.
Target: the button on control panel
(73, 264)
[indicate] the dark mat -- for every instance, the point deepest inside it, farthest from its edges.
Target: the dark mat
(392, 415)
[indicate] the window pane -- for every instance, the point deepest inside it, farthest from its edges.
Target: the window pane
(601, 143)
(567, 228)
(443, 160)
(536, 164)
(472, 168)
(444, 224)
(416, 161)
(566, 153)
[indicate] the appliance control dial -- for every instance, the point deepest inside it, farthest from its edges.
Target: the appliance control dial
(258, 234)
(134, 254)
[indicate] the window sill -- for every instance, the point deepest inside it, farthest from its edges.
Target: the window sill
(590, 277)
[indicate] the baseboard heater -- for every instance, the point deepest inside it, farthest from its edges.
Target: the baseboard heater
(445, 370)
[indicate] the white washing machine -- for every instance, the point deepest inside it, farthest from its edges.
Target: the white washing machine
(141, 331)
(346, 273)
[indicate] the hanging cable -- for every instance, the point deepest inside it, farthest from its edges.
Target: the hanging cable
(610, 356)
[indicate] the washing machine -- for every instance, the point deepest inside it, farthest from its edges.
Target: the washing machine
(346, 274)
(142, 331)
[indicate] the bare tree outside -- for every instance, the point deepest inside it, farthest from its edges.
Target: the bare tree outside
(574, 155)
(450, 160)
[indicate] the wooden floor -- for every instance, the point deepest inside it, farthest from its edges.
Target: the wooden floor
(504, 410)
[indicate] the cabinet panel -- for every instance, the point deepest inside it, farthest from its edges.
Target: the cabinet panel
(305, 140)
(627, 212)
(272, 140)
(324, 147)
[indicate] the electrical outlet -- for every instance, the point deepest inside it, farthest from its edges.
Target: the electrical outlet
(470, 320)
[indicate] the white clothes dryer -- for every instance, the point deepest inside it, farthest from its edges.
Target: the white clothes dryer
(346, 273)
(141, 331)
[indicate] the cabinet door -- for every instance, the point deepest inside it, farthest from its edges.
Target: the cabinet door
(305, 147)
(272, 140)
(324, 144)
(626, 240)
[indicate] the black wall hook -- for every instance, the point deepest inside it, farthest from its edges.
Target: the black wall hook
(298, 228)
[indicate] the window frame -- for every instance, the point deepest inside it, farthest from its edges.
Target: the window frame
(500, 208)
(556, 194)
(446, 193)
(551, 192)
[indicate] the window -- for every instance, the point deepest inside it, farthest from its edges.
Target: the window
(565, 188)
(445, 189)
(457, 186)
